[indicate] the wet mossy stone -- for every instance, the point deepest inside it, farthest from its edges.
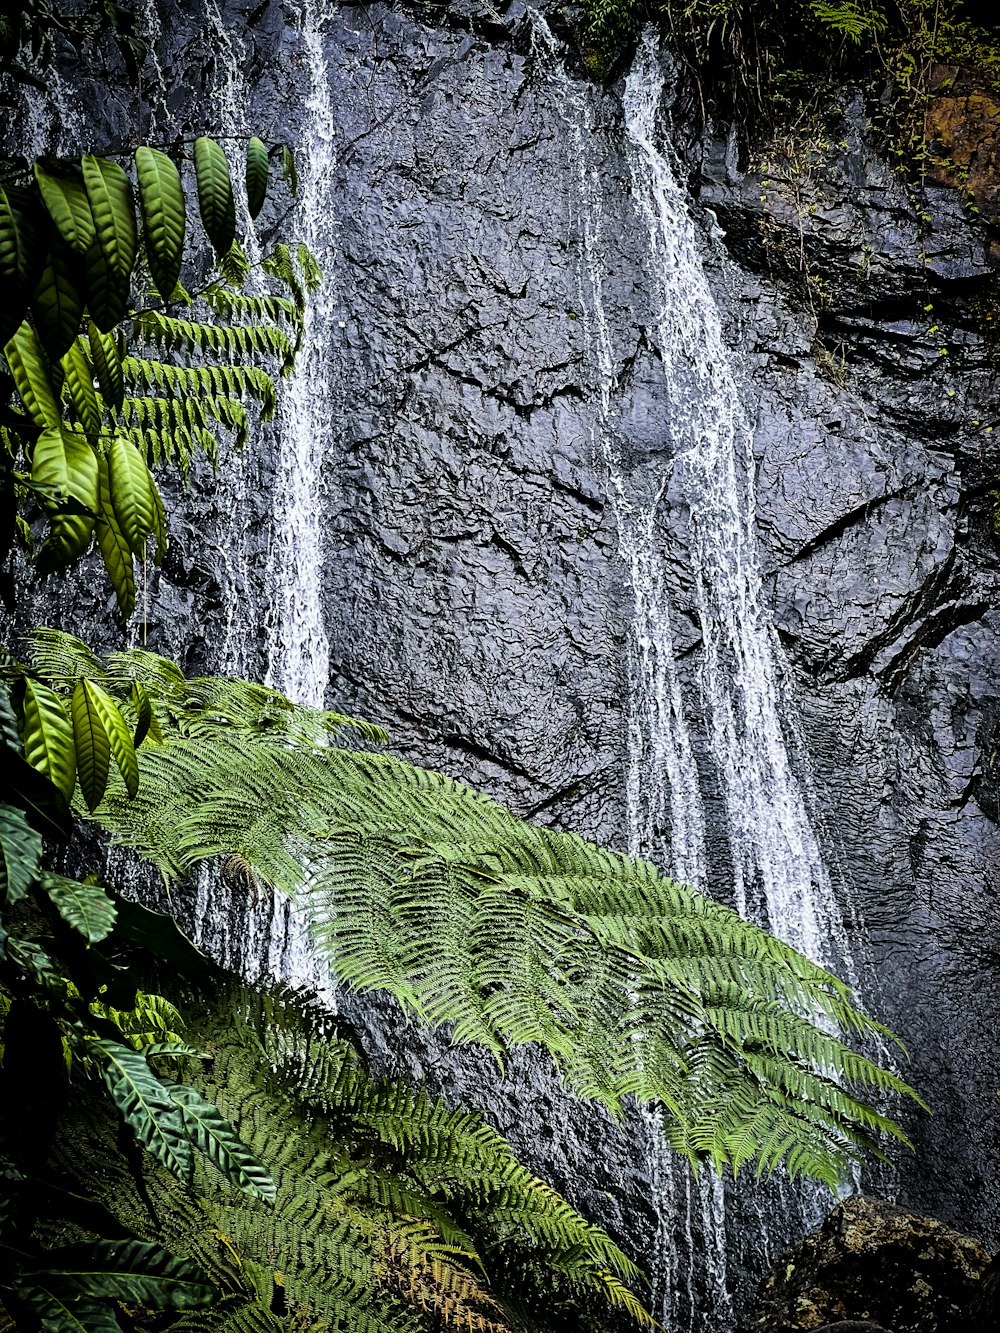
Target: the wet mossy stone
(871, 1263)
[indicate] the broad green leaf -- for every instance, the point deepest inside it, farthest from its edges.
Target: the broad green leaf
(161, 197)
(257, 170)
(161, 936)
(80, 382)
(48, 735)
(111, 258)
(119, 736)
(21, 254)
(85, 907)
(215, 194)
(68, 1312)
(65, 197)
(63, 461)
(131, 493)
(115, 550)
(57, 304)
(136, 1271)
(93, 747)
(107, 365)
(213, 1135)
(20, 855)
(33, 377)
(146, 1106)
(143, 713)
(40, 799)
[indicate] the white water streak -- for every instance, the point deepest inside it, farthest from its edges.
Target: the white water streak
(298, 647)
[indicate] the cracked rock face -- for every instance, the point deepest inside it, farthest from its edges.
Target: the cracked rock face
(473, 593)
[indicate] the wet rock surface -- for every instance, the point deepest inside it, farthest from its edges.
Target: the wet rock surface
(474, 597)
(873, 1265)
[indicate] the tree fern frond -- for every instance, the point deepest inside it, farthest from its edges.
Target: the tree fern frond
(509, 933)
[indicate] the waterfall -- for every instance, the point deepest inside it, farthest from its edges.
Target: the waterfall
(738, 706)
(298, 649)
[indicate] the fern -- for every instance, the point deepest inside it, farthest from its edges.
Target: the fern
(511, 933)
(372, 1179)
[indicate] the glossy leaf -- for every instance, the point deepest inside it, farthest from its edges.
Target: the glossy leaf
(63, 461)
(65, 198)
(21, 254)
(48, 735)
(146, 1106)
(41, 800)
(93, 747)
(143, 713)
(115, 550)
(80, 383)
(107, 365)
(20, 855)
(257, 172)
(214, 1136)
(85, 907)
(215, 194)
(131, 493)
(111, 258)
(161, 198)
(33, 377)
(119, 737)
(57, 305)
(161, 936)
(138, 1272)
(67, 1312)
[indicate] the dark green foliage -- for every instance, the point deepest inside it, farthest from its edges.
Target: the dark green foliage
(510, 933)
(392, 1211)
(760, 59)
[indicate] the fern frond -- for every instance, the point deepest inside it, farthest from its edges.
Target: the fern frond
(510, 933)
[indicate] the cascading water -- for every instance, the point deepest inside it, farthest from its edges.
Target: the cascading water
(298, 649)
(774, 863)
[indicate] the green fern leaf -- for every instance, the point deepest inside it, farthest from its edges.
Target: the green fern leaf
(20, 855)
(48, 735)
(215, 194)
(65, 198)
(288, 168)
(161, 197)
(146, 1106)
(57, 304)
(85, 907)
(111, 257)
(213, 1135)
(256, 175)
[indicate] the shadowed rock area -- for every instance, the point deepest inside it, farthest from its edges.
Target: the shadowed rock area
(871, 1265)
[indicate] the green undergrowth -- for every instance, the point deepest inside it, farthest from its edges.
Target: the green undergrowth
(764, 60)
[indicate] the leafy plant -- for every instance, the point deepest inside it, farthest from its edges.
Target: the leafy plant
(510, 933)
(393, 1211)
(85, 421)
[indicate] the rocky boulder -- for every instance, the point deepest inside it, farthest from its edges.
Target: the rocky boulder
(873, 1266)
